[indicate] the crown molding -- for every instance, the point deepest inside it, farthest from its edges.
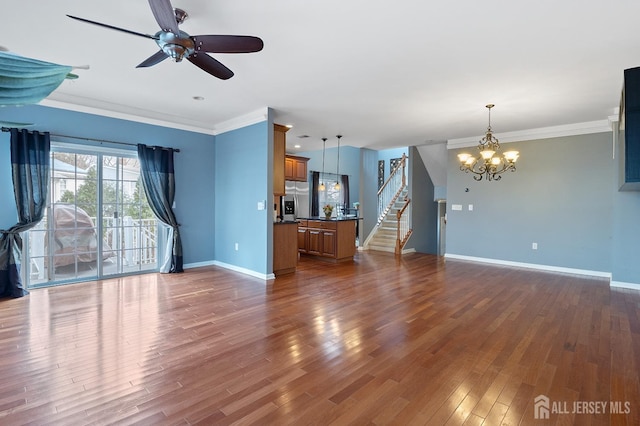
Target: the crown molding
(254, 117)
(122, 112)
(600, 126)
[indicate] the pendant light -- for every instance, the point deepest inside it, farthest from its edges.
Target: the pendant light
(321, 187)
(337, 187)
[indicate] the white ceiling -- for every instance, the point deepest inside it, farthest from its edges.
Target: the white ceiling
(383, 74)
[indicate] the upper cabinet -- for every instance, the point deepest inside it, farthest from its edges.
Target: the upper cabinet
(279, 147)
(295, 168)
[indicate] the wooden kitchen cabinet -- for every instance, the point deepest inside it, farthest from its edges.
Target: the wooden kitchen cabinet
(328, 239)
(295, 168)
(314, 241)
(303, 238)
(279, 149)
(285, 248)
(329, 243)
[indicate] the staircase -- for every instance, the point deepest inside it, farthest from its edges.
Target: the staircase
(386, 234)
(394, 215)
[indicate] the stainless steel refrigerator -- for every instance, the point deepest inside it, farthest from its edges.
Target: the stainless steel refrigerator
(297, 201)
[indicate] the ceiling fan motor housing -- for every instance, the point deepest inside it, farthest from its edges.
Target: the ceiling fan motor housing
(177, 47)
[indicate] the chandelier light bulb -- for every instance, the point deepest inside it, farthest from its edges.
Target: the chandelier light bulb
(511, 156)
(463, 157)
(487, 154)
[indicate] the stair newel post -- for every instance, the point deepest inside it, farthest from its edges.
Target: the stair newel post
(398, 216)
(404, 161)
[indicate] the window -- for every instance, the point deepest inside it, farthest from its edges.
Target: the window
(331, 195)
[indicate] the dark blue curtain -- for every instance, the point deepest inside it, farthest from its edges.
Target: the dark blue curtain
(315, 203)
(30, 170)
(156, 170)
(345, 193)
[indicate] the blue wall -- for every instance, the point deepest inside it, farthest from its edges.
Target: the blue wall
(194, 174)
(368, 192)
(424, 210)
(243, 164)
(560, 197)
(389, 154)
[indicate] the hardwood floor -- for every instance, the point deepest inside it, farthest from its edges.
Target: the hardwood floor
(382, 340)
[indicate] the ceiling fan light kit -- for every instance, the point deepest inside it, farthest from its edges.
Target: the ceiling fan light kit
(179, 45)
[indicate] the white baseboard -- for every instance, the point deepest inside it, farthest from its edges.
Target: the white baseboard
(231, 268)
(630, 286)
(245, 271)
(547, 268)
(198, 264)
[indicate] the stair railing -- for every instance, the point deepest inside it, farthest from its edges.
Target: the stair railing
(404, 230)
(391, 189)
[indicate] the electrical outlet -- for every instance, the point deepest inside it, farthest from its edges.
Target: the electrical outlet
(237, 246)
(534, 246)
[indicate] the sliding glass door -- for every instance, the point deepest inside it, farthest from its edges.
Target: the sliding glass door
(97, 223)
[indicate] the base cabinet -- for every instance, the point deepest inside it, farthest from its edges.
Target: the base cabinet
(329, 243)
(285, 253)
(335, 240)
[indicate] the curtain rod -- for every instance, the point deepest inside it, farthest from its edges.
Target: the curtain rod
(7, 129)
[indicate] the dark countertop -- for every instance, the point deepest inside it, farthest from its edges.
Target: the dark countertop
(333, 219)
(286, 222)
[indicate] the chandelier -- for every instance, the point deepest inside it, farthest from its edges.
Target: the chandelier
(488, 165)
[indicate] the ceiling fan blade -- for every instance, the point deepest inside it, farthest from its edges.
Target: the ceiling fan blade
(210, 65)
(165, 16)
(156, 58)
(111, 27)
(228, 43)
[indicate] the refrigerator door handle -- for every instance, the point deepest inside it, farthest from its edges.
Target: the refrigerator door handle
(295, 206)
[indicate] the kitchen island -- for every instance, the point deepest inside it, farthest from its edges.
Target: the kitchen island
(331, 239)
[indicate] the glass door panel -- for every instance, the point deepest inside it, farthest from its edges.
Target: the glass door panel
(97, 222)
(129, 225)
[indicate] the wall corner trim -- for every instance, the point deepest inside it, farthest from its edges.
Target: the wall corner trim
(547, 268)
(600, 126)
(254, 117)
(122, 113)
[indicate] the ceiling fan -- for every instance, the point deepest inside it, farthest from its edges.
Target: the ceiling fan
(179, 45)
